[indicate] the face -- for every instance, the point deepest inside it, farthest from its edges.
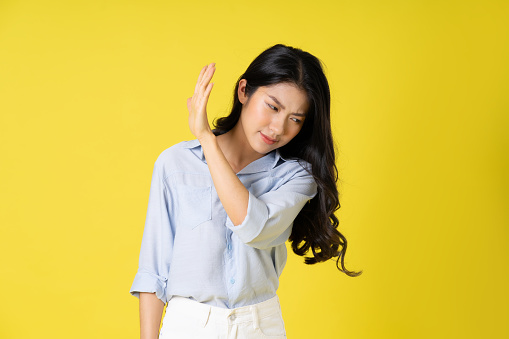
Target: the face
(273, 115)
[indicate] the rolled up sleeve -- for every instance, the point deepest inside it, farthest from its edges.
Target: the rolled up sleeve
(157, 241)
(270, 216)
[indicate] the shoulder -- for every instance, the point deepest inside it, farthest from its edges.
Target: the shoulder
(294, 175)
(177, 156)
(181, 148)
(293, 167)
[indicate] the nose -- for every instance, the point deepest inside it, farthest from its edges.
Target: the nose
(277, 124)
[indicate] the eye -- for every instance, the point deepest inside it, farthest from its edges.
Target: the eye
(272, 107)
(296, 120)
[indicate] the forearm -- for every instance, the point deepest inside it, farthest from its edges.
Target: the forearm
(151, 311)
(230, 190)
(232, 193)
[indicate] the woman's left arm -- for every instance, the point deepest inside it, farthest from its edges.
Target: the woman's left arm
(230, 190)
(270, 215)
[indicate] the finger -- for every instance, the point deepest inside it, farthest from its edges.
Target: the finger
(199, 78)
(207, 68)
(207, 91)
(207, 77)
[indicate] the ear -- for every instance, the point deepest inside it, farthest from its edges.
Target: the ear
(241, 92)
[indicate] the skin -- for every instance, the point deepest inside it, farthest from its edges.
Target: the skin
(270, 118)
(274, 112)
(151, 312)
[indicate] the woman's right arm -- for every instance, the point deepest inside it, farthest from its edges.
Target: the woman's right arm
(151, 311)
(149, 284)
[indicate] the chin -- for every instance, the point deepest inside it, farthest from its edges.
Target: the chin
(262, 148)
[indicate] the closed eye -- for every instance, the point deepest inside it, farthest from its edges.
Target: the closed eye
(272, 107)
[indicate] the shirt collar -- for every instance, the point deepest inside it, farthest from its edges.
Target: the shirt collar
(265, 163)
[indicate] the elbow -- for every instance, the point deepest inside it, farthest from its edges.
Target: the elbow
(146, 281)
(270, 237)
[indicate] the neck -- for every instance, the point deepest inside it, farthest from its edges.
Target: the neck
(236, 149)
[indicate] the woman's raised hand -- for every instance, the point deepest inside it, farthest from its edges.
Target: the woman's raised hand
(197, 104)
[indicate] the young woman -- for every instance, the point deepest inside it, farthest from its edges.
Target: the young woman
(221, 207)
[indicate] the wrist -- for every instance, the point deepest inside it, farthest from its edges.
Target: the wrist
(207, 138)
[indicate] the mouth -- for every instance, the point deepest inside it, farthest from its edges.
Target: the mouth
(267, 140)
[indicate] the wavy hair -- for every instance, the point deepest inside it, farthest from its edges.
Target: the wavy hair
(315, 227)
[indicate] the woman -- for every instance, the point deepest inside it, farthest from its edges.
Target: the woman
(222, 206)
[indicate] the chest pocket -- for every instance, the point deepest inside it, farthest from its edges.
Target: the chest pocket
(195, 205)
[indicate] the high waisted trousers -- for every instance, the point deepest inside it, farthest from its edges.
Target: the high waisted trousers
(189, 319)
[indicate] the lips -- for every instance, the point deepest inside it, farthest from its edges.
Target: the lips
(267, 140)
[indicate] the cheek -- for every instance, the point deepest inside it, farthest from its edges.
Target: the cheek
(264, 118)
(257, 116)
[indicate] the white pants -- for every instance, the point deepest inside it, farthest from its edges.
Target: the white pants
(186, 318)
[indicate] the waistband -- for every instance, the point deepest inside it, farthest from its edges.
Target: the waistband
(205, 313)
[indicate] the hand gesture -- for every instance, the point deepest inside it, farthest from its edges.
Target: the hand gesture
(197, 104)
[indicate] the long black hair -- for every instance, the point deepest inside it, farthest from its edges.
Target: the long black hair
(315, 227)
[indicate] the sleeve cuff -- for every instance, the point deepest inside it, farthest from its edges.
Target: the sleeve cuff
(145, 281)
(257, 214)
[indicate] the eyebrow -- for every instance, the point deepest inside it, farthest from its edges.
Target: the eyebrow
(280, 104)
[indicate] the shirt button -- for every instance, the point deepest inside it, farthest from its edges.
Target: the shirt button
(232, 281)
(229, 247)
(232, 317)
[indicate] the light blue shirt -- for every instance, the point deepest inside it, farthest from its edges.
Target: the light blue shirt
(191, 248)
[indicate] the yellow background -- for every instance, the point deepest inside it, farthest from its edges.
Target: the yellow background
(91, 92)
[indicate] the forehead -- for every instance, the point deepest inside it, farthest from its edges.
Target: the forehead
(289, 95)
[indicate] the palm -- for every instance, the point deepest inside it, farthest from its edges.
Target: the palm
(197, 104)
